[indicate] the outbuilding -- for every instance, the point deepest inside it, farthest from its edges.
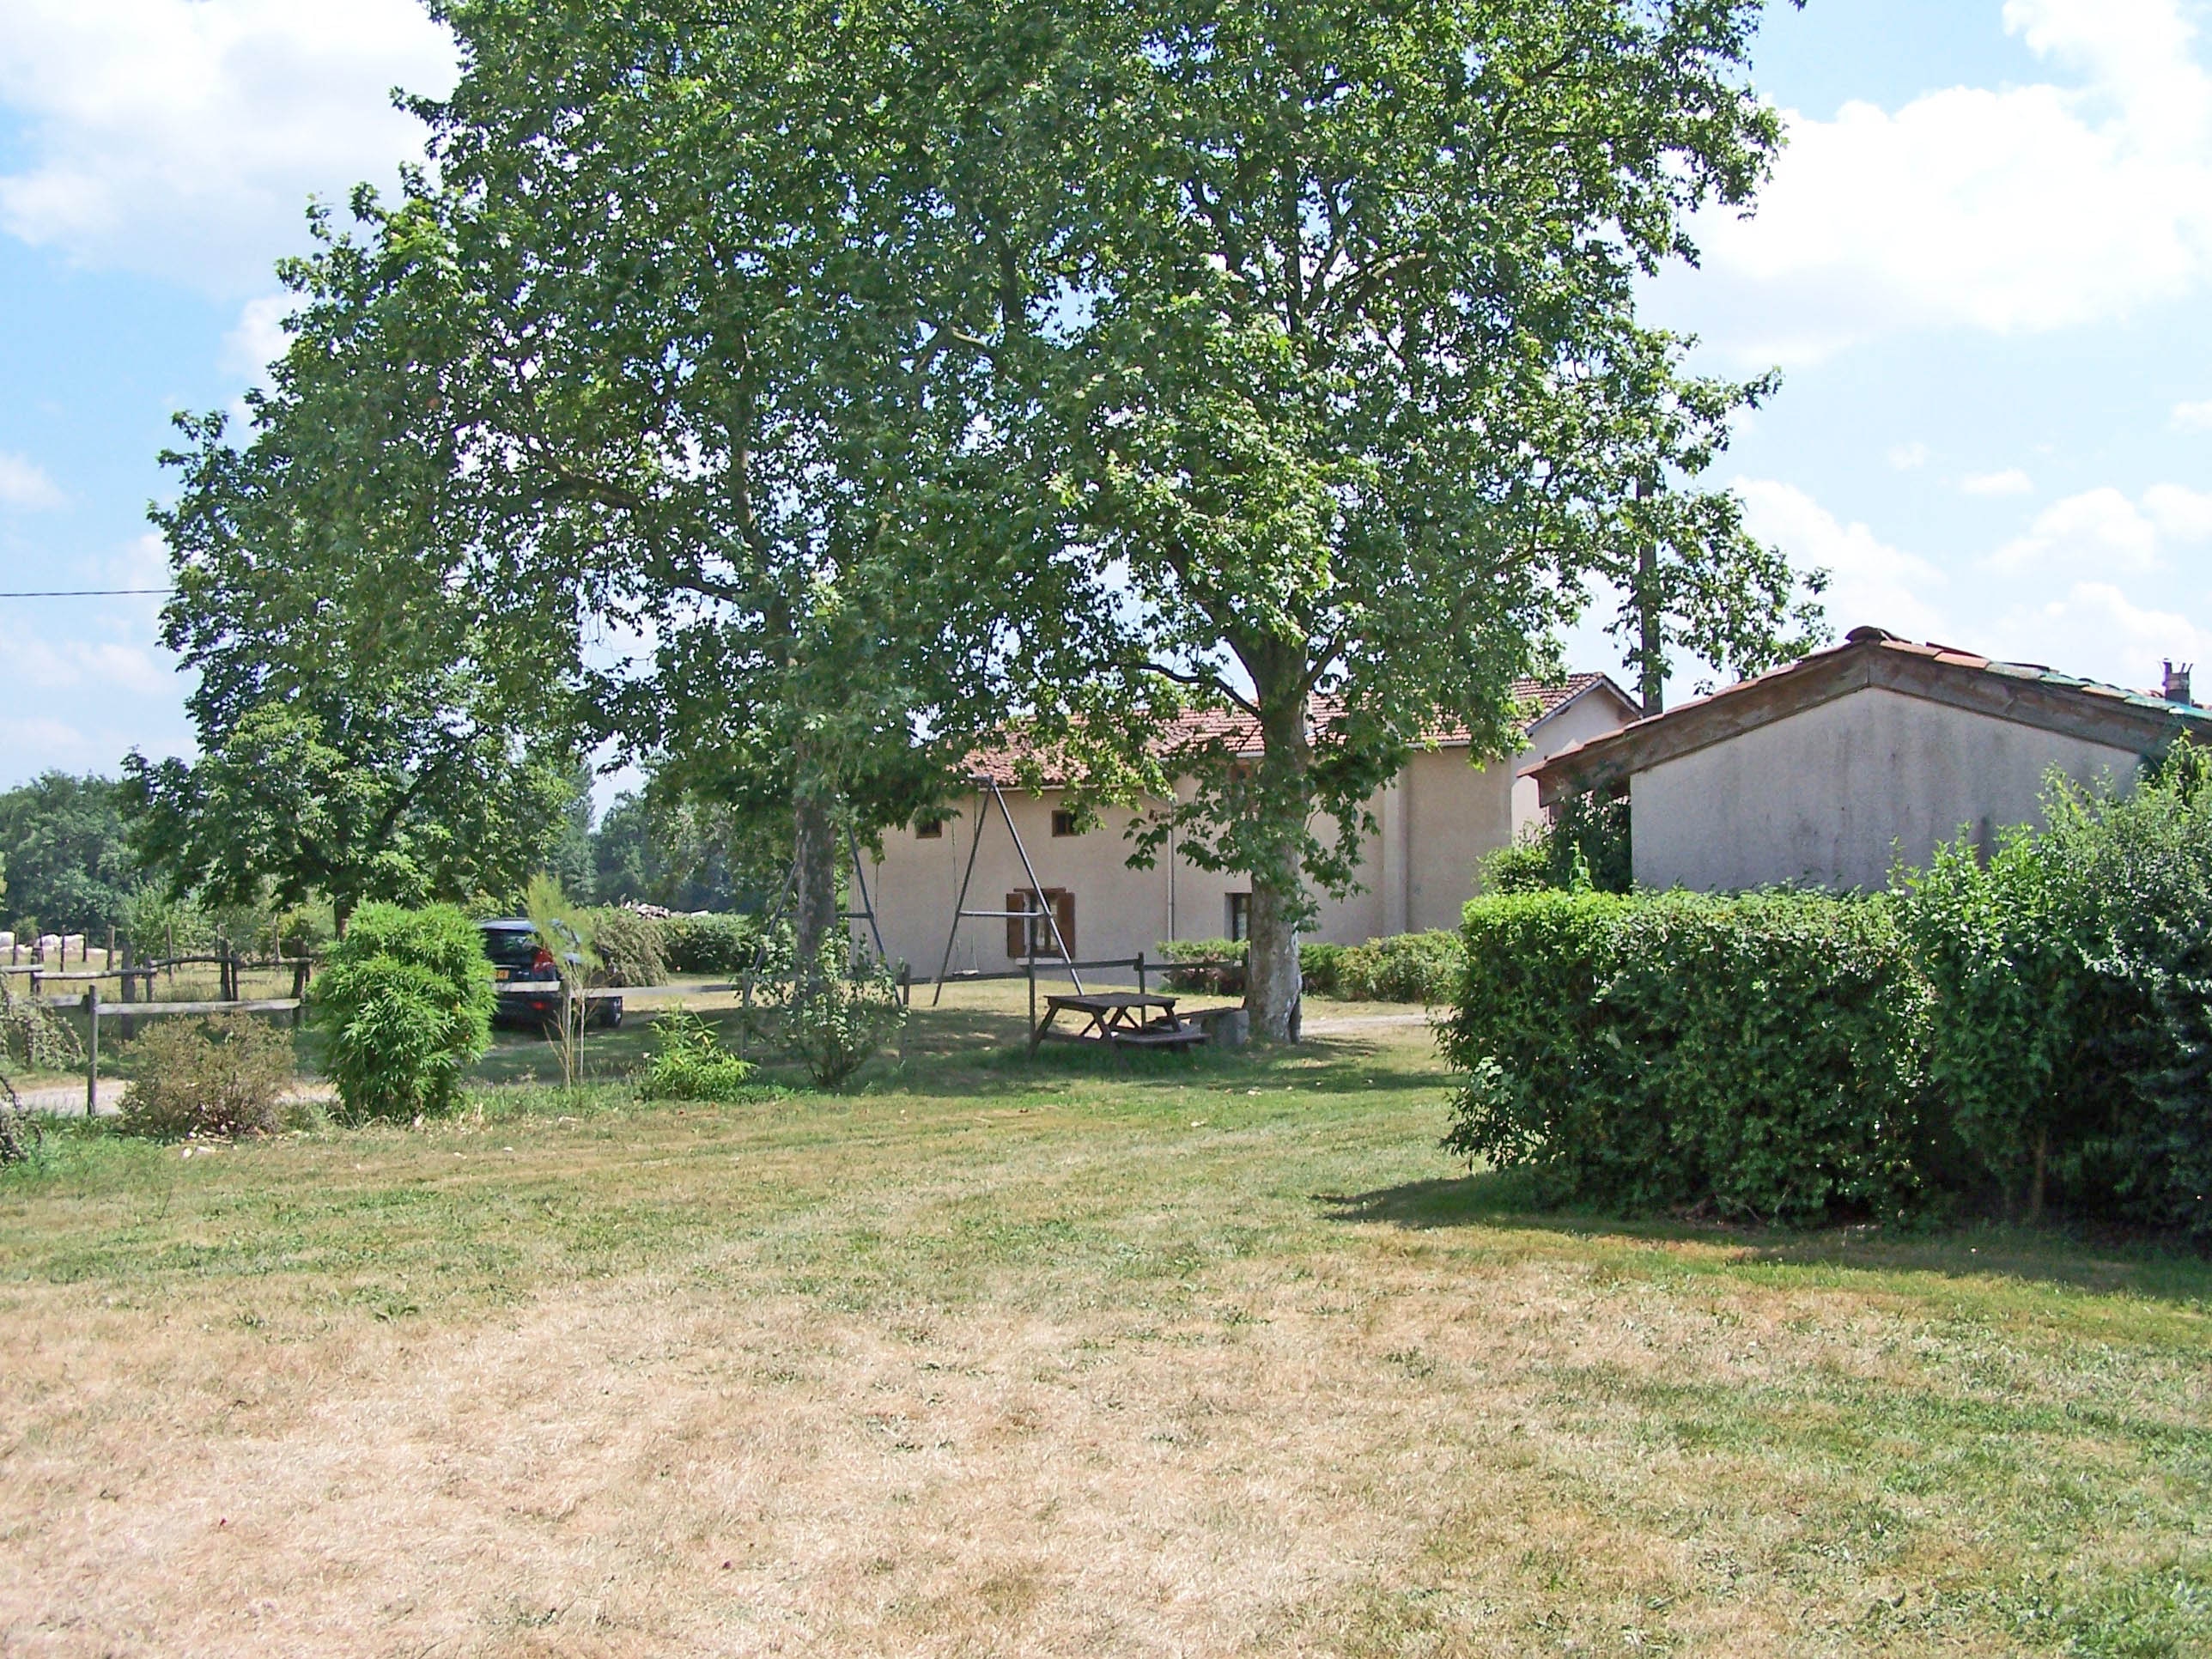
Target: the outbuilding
(1830, 771)
(1433, 824)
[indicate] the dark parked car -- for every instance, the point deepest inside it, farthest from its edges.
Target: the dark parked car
(528, 980)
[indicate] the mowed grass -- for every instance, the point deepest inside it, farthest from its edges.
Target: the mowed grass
(1002, 1357)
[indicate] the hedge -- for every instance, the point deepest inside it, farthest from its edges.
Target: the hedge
(1405, 968)
(1762, 1056)
(2019, 1033)
(709, 943)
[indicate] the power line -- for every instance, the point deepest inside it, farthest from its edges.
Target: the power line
(83, 593)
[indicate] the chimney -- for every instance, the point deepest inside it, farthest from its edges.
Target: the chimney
(2176, 685)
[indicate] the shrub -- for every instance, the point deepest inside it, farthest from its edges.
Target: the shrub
(407, 1002)
(1404, 968)
(1320, 968)
(688, 1063)
(839, 1015)
(218, 1077)
(1225, 981)
(713, 944)
(631, 947)
(2073, 982)
(1586, 845)
(1763, 1055)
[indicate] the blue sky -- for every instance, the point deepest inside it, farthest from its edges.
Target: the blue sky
(1983, 266)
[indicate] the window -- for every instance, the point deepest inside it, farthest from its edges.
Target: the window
(929, 830)
(1240, 916)
(1029, 925)
(1063, 822)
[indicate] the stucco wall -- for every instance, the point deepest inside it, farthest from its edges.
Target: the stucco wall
(1590, 715)
(1434, 822)
(1831, 795)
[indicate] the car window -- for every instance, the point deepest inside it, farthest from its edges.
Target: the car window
(511, 947)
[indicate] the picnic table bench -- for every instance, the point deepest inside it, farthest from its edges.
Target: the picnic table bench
(1121, 1020)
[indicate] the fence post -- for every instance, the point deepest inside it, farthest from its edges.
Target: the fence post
(1029, 961)
(1141, 973)
(91, 1050)
(299, 989)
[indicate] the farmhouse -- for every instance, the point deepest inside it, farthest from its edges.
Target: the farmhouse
(1434, 821)
(1828, 771)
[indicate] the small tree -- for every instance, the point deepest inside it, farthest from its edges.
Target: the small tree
(565, 933)
(841, 1012)
(407, 1002)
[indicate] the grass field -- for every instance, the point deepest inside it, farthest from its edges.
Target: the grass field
(994, 1357)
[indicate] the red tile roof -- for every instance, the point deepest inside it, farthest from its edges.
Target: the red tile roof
(1237, 733)
(2027, 692)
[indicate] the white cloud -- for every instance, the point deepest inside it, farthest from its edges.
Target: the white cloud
(1871, 583)
(64, 664)
(2099, 532)
(182, 138)
(259, 339)
(2011, 482)
(24, 483)
(1907, 457)
(2184, 515)
(2095, 629)
(2193, 417)
(2020, 209)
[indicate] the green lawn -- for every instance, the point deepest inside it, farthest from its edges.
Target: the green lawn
(994, 1356)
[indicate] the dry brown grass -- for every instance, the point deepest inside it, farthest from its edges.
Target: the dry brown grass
(1004, 1360)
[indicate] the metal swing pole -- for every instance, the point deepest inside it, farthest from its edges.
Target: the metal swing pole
(959, 907)
(867, 905)
(1036, 892)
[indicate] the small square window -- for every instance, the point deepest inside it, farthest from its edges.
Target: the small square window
(1063, 822)
(1240, 916)
(929, 830)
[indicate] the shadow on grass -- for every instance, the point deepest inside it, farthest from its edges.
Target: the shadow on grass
(2139, 1267)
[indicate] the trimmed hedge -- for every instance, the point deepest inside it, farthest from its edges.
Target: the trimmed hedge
(1405, 968)
(1762, 1056)
(713, 944)
(2024, 1032)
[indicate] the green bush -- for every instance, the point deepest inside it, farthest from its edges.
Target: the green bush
(716, 943)
(406, 1002)
(219, 1077)
(1227, 981)
(1320, 968)
(1762, 1056)
(631, 947)
(1404, 968)
(688, 1063)
(838, 1016)
(1585, 845)
(2073, 984)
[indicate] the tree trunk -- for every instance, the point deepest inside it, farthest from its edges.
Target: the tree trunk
(1651, 621)
(1272, 985)
(814, 871)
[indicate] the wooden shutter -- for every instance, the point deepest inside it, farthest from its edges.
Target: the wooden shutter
(1063, 912)
(1018, 926)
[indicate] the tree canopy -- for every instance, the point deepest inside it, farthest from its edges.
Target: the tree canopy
(1347, 384)
(64, 847)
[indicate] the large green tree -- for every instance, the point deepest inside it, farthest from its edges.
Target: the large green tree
(373, 723)
(719, 374)
(1348, 384)
(64, 846)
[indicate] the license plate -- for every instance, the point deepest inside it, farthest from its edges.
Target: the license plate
(501, 975)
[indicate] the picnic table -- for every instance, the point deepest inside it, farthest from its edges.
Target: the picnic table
(1121, 1020)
